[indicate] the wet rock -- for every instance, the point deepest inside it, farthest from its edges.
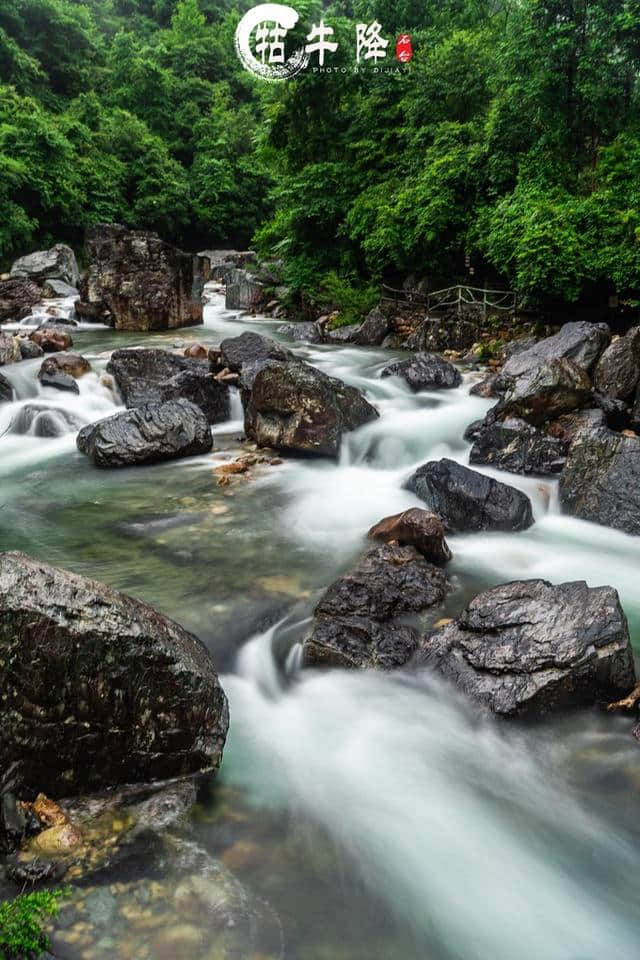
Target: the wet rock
(297, 408)
(9, 349)
(6, 390)
(30, 350)
(373, 329)
(567, 427)
(617, 414)
(58, 263)
(17, 296)
(39, 420)
(517, 346)
(99, 688)
(33, 871)
(356, 622)
(518, 447)
(488, 388)
(52, 377)
(13, 823)
(344, 334)
(243, 291)
(58, 288)
(415, 528)
(529, 648)
(145, 376)
(580, 342)
(546, 391)
(425, 371)
(302, 332)
(70, 363)
(147, 434)
(52, 339)
(196, 351)
(136, 281)
(248, 374)
(618, 370)
(251, 348)
(468, 501)
(601, 480)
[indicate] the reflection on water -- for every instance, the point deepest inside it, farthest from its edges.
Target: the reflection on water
(377, 816)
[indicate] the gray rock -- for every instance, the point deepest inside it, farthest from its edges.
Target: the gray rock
(156, 376)
(579, 341)
(302, 332)
(147, 434)
(547, 390)
(356, 622)
(58, 263)
(601, 480)
(99, 688)
(467, 501)
(57, 379)
(518, 447)
(296, 408)
(487, 388)
(373, 329)
(30, 350)
(618, 370)
(345, 334)
(528, 648)
(18, 296)
(243, 291)
(425, 371)
(249, 348)
(136, 281)
(9, 349)
(39, 420)
(6, 390)
(58, 288)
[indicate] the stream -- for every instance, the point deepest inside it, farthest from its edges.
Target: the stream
(377, 814)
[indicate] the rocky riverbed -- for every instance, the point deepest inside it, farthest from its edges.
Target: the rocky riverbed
(356, 813)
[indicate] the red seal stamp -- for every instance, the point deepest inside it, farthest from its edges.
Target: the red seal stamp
(404, 50)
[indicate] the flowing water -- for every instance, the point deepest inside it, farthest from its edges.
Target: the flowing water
(376, 813)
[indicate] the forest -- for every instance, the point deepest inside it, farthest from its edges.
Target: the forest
(510, 144)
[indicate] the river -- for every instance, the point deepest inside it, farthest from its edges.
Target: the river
(376, 813)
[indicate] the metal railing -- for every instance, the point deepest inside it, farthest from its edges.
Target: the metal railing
(458, 296)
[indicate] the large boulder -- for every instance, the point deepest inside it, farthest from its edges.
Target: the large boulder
(527, 648)
(357, 622)
(546, 391)
(618, 370)
(136, 281)
(9, 349)
(601, 480)
(518, 447)
(156, 376)
(147, 434)
(579, 341)
(296, 408)
(243, 291)
(72, 364)
(248, 348)
(425, 371)
(415, 528)
(6, 390)
(220, 264)
(17, 296)
(99, 688)
(373, 329)
(468, 501)
(58, 263)
(305, 331)
(58, 288)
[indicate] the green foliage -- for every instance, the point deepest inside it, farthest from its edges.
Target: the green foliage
(21, 923)
(351, 301)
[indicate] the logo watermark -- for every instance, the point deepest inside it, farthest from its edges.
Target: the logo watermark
(261, 35)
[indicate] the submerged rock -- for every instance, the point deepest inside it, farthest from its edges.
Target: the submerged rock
(57, 263)
(136, 281)
(415, 528)
(528, 647)
(39, 420)
(518, 447)
(99, 688)
(425, 371)
(145, 376)
(468, 501)
(580, 342)
(601, 481)
(356, 622)
(297, 408)
(147, 434)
